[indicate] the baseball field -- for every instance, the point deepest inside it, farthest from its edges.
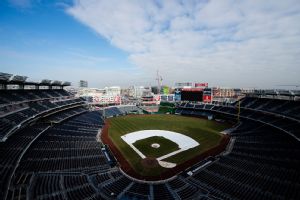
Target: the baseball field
(153, 154)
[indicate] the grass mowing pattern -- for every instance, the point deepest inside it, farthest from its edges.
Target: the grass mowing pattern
(166, 146)
(206, 132)
(165, 107)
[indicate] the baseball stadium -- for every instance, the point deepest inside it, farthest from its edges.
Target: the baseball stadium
(54, 145)
(149, 100)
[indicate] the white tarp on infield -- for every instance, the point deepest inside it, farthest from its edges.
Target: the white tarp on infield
(184, 142)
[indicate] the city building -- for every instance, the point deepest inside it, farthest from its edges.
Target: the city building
(83, 84)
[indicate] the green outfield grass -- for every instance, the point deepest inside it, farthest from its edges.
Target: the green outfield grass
(206, 132)
(165, 108)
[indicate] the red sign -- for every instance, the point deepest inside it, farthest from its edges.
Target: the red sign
(207, 98)
(157, 97)
(117, 99)
(201, 84)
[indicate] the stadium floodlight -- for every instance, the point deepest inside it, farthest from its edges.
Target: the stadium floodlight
(18, 78)
(5, 76)
(46, 82)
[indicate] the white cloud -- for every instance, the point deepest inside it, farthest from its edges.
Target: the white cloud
(226, 42)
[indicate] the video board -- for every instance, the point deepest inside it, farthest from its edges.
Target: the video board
(191, 95)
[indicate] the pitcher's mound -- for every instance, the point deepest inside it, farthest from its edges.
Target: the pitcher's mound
(149, 162)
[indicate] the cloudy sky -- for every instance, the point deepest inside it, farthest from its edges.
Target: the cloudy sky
(248, 43)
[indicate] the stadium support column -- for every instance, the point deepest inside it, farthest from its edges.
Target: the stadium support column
(239, 111)
(3, 86)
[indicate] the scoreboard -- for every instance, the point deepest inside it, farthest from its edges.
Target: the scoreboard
(200, 93)
(192, 94)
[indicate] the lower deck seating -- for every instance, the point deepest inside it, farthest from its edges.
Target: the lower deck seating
(256, 167)
(120, 110)
(161, 192)
(114, 188)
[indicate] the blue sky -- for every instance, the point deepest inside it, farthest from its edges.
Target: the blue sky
(41, 40)
(249, 43)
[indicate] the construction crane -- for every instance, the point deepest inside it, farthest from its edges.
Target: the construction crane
(159, 81)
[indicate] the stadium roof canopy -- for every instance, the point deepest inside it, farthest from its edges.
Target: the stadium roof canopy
(66, 83)
(296, 92)
(31, 83)
(4, 77)
(18, 79)
(45, 82)
(8, 79)
(289, 93)
(56, 83)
